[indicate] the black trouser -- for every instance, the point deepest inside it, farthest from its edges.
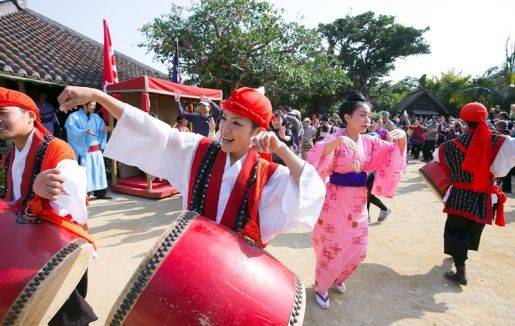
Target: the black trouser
(100, 193)
(371, 198)
(506, 181)
(415, 150)
(461, 235)
(428, 149)
(75, 311)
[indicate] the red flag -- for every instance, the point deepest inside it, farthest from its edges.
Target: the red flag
(110, 73)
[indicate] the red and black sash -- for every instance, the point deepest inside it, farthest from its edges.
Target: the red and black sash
(32, 168)
(461, 182)
(241, 211)
(39, 208)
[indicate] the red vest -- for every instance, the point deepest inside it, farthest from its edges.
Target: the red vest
(45, 153)
(241, 212)
(33, 166)
(478, 206)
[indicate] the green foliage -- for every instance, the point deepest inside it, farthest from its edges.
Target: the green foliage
(385, 95)
(496, 86)
(448, 88)
(235, 43)
(367, 46)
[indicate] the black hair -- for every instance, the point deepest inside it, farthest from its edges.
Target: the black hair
(277, 113)
(22, 110)
(458, 126)
(471, 124)
(354, 101)
(325, 128)
(179, 118)
(502, 115)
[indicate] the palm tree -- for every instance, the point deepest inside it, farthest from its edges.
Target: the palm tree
(496, 85)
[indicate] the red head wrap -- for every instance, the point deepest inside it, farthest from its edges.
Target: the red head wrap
(479, 153)
(475, 112)
(13, 98)
(251, 104)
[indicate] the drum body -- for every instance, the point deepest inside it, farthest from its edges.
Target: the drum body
(40, 265)
(202, 273)
(436, 178)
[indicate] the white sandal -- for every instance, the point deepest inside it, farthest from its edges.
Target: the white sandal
(322, 301)
(340, 287)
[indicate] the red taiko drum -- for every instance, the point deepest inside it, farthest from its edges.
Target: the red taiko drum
(436, 178)
(40, 265)
(202, 273)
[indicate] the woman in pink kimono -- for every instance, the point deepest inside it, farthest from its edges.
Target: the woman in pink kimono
(340, 236)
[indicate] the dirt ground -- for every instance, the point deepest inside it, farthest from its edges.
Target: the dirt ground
(400, 283)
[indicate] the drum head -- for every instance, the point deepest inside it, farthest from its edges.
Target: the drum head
(435, 178)
(55, 289)
(41, 266)
(202, 273)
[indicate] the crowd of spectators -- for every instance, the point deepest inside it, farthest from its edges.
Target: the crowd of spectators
(425, 132)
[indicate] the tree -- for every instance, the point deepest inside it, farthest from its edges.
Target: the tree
(234, 43)
(385, 95)
(496, 86)
(366, 47)
(448, 89)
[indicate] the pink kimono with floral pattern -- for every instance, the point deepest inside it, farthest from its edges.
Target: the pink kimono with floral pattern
(340, 236)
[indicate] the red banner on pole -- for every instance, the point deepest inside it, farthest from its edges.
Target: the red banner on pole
(110, 73)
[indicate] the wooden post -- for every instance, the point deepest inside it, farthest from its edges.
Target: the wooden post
(149, 182)
(21, 86)
(114, 167)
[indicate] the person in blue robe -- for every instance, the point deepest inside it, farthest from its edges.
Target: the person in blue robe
(87, 134)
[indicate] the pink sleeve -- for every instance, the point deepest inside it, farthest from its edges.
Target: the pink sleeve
(323, 165)
(390, 165)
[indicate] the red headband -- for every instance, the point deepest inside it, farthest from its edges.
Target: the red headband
(475, 112)
(479, 153)
(13, 98)
(251, 104)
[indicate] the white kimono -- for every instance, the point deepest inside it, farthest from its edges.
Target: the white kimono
(156, 148)
(72, 200)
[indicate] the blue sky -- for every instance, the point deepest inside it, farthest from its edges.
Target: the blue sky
(467, 36)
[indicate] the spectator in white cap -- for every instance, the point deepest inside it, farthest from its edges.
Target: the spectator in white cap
(292, 118)
(308, 134)
(201, 122)
(387, 123)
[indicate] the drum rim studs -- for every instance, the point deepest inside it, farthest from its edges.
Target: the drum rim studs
(38, 280)
(150, 266)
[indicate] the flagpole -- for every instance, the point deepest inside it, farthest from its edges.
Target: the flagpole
(110, 76)
(176, 68)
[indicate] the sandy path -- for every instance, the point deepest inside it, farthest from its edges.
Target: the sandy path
(401, 281)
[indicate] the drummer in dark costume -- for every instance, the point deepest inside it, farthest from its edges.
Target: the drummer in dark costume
(42, 177)
(230, 181)
(472, 161)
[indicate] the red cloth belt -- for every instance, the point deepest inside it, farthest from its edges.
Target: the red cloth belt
(35, 207)
(501, 199)
(93, 148)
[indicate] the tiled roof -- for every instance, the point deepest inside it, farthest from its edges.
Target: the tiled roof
(36, 47)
